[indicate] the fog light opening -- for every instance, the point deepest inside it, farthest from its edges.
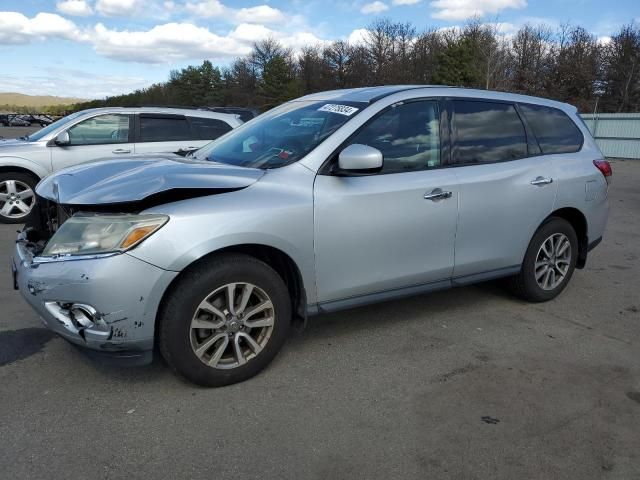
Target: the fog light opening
(84, 316)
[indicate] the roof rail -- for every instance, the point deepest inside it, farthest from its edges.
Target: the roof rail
(404, 89)
(184, 107)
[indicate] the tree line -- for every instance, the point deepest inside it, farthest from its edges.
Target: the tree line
(567, 64)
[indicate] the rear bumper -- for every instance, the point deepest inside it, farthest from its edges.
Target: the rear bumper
(122, 293)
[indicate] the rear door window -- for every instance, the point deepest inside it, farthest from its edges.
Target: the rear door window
(209, 128)
(164, 128)
(555, 131)
(487, 132)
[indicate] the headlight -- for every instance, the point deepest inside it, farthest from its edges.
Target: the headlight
(85, 234)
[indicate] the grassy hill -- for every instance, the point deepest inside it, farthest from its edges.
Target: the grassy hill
(11, 98)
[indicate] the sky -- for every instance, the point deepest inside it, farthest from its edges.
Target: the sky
(95, 48)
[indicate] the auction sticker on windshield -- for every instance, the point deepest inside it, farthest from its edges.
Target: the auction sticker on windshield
(340, 109)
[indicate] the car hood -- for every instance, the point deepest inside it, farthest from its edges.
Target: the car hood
(138, 178)
(12, 142)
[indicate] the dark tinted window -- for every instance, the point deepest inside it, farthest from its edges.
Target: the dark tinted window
(555, 131)
(209, 128)
(164, 129)
(488, 132)
(407, 135)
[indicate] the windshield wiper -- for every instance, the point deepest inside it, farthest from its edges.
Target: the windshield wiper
(26, 137)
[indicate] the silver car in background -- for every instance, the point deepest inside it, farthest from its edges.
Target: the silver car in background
(331, 201)
(98, 133)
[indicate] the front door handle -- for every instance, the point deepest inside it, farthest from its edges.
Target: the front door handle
(539, 181)
(437, 194)
(121, 150)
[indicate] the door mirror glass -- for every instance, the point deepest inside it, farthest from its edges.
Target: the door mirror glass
(62, 139)
(360, 157)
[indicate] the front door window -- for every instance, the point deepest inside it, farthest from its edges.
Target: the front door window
(101, 130)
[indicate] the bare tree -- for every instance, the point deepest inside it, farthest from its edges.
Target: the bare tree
(621, 70)
(531, 52)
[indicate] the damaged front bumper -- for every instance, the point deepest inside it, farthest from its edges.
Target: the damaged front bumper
(106, 303)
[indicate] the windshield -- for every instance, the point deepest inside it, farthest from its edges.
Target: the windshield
(281, 136)
(50, 128)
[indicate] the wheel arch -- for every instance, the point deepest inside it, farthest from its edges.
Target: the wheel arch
(277, 259)
(13, 163)
(579, 223)
(15, 168)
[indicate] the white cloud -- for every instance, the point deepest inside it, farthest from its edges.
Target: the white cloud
(406, 2)
(260, 14)
(78, 8)
(257, 14)
(73, 82)
(604, 40)
(119, 8)
(358, 36)
(165, 43)
(207, 9)
(16, 28)
(503, 28)
(248, 34)
(374, 7)
(463, 9)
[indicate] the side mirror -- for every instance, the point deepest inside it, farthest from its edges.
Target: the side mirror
(62, 139)
(360, 157)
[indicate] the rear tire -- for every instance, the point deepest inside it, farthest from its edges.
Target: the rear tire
(549, 262)
(17, 197)
(213, 341)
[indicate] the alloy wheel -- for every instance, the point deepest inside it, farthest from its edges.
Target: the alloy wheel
(553, 261)
(16, 199)
(232, 325)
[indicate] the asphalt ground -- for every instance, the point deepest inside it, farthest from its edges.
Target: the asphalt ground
(469, 383)
(15, 132)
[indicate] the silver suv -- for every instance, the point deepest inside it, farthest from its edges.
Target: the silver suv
(331, 201)
(97, 133)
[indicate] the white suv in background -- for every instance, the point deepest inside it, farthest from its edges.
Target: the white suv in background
(98, 133)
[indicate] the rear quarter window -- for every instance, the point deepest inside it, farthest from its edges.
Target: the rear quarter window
(555, 131)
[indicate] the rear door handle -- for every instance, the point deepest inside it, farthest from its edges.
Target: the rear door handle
(121, 150)
(542, 181)
(437, 194)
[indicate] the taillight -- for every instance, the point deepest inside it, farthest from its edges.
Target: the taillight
(604, 167)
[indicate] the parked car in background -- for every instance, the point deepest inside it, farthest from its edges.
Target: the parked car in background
(14, 121)
(335, 200)
(42, 120)
(97, 133)
(245, 114)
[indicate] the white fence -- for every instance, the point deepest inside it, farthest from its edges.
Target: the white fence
(617, 134)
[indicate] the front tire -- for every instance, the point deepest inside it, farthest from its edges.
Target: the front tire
(549, 262)
(224, 320)
(17, 197)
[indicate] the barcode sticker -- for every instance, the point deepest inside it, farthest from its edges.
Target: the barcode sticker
(339, 109)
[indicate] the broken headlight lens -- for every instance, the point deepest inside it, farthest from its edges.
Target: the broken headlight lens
(85, 234)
